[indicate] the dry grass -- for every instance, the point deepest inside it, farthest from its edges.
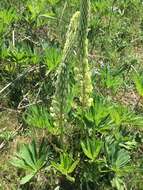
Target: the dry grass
(9, 178)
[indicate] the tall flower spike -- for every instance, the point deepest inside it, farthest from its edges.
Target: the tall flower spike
(82, 69)
(59, 102)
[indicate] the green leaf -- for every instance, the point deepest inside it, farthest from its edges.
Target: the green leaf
(115, 116)
(91, 148)
(138, 80)
(32, 149)
(48, 15)
(67, 165)
(123, 158)
(27, 178)
(73, 166)
(30, 159)
(85, 150)
(26, 156)
(18, 163)
(118, 183)
(53, 2)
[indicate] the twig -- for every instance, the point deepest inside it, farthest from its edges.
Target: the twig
(19, 77)
(13, 38)
(28, 105)
(2, 145)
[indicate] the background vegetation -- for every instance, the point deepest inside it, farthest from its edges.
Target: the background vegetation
(52, 135)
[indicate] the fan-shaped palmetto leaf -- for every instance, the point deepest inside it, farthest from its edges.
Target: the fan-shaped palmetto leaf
(99, 114)
(117, 157)
(30, 159)
(52, 58)
(104, 114)
(91, 148)
(39, 117)
(122, 158)
(66, 166)
(123, 115)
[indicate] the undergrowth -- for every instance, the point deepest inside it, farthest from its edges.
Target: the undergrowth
(71, 94)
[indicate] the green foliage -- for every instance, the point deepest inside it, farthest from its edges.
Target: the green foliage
(6, 135)
(7, 17)
(110, 81)
(91, 148)
(105, 115)
(138, 80)
(29, 159)
(66, 166)
(38, 117)
(117, 158)
(53, 2)
(52, 58)
(76, 89)
(118, 183)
